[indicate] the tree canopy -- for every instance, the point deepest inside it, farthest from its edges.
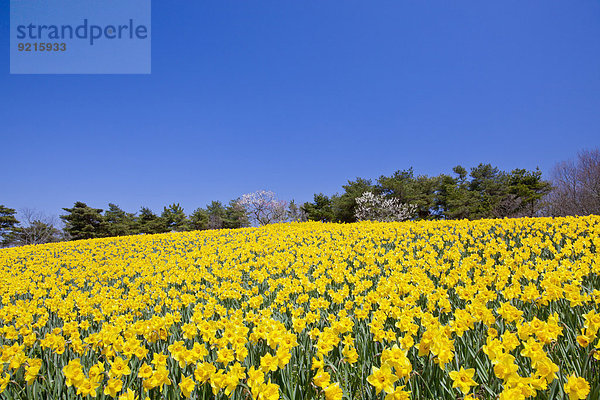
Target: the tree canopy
(483, 192)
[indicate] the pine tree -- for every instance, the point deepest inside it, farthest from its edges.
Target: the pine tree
(174, 218)
(8, 223)
(119, 223)
(235, 216)
(149, 223)
(320, 209)
(199, 220)
(216, 215)
(83, 222)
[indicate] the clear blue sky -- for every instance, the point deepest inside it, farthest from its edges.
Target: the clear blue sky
(299, 96)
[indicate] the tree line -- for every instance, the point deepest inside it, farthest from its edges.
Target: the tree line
(84, 222)
(484, 191)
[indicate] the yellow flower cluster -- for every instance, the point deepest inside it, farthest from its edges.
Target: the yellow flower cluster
(491, 309)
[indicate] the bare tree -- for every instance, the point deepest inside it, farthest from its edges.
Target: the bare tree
(510, 205)
(263, 207)
(576, 186)
(588, 174)
(37, 228)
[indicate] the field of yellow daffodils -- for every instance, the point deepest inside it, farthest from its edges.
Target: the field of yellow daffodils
(492, 309)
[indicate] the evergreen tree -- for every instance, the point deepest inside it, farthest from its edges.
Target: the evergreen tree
(454, 200)
(408, 189)
(8, 223)
(174, 218)
(489, 187)
(399, 185)
(149, 223)
(528, 188)
(199, 220)
(83, 222)
(344, 206)
(321, 209)
(216, 215)
(235, 216)
(119, 223)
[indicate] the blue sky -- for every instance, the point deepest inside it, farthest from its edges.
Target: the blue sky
(299, 96)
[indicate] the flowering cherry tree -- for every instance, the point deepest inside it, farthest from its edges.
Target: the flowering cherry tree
(374, 207)
(263, 207)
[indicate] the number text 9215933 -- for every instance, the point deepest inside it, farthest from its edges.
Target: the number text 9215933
(42, 46)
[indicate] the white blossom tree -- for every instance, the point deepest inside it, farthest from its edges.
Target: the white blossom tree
(263, 207)
(374, 207)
